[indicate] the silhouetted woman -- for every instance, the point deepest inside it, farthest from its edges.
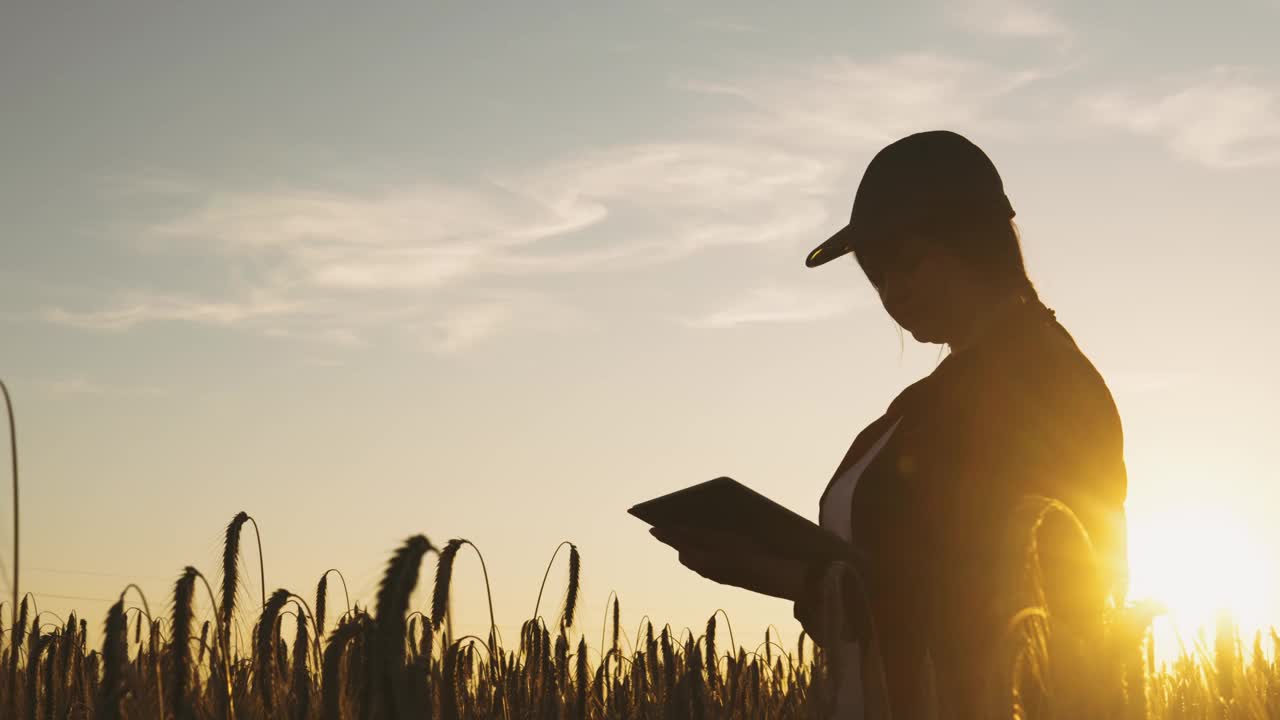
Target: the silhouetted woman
(928, 491)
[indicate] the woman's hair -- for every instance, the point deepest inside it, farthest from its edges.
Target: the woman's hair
(994, 249)
(991, 247)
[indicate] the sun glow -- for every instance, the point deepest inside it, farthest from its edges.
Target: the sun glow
(1199, 562)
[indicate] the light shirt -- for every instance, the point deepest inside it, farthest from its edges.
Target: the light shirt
(835, 515)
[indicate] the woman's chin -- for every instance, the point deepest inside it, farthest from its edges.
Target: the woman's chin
(927, 336)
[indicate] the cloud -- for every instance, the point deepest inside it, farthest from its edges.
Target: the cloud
(1222, 117)
(142, 307)
(315, 264)
(650, 203)
(666, 201)
(838, 105)
(1011, 18)
(773, 304)
(336, 336)
(336, 267)
(726, 25)
(466, 326)
(415, 237)
(81, 385)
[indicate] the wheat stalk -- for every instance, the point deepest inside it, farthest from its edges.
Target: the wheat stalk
(393, 602)
(180, 657)
(264, 647)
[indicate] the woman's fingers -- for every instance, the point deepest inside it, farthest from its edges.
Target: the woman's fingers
(688, 536)
(668, 537)
(720, 556)
(676, 535)
(707, 565)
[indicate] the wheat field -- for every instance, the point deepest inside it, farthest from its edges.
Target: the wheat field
(289, 656)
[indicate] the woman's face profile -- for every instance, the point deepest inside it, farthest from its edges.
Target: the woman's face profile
(914, 280)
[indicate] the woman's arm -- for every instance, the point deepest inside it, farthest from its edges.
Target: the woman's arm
(732, 560)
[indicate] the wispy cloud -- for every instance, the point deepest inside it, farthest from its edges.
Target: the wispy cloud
(773, 304)
(463, 327)
(1012, 18)
(141, 307)
(337, 267)
(666, 201)
(841, 105)
(81, 385)
(305, 261)
(335, 336)
(726, 25)
(415, 237)
(1224, 117)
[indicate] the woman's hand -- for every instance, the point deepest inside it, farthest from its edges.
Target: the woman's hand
(731, 559)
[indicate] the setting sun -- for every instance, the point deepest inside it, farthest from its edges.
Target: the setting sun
(1199, 562)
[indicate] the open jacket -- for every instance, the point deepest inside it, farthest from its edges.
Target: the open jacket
(1019, 412)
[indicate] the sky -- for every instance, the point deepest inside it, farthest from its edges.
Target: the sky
(499, 271)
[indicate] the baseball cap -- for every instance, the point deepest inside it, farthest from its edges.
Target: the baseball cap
(929, 179)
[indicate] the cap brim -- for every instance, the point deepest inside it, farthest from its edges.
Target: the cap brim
(833, 247)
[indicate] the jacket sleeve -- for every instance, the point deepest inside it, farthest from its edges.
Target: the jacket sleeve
(806, 606)
(809, 607)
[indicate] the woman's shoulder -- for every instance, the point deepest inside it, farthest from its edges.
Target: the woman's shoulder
(921, 396)
(1040, 368)
(1047, 366)
(1063, 355)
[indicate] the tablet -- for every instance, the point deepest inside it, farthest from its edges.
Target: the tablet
(727, 505)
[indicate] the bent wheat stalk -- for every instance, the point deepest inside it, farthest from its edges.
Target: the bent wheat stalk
(571, 592)
(13, 473)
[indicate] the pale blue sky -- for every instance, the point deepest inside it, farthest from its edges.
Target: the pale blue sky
(500, 271)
